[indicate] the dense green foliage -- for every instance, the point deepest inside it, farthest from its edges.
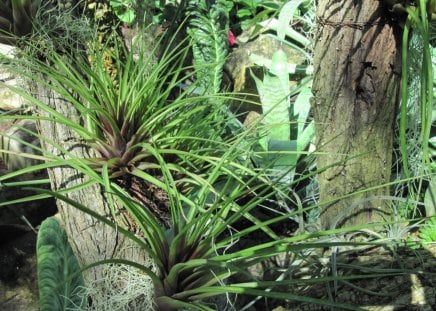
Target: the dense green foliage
(221, 186)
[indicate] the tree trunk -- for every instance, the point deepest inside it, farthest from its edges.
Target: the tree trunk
(90, 239)
(356, 84)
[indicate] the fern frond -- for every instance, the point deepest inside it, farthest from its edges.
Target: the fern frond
(208, 28)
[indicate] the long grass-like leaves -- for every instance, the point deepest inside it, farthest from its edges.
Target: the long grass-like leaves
(418, 20)
(213, 291)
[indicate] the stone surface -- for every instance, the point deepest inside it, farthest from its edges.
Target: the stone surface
(239, 61)
(12, 137)
(8, 99)
(6, 49)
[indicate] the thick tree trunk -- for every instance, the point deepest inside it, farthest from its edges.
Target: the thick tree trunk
(90, 239)
(357, 72)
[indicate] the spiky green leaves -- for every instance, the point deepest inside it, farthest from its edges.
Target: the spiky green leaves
(131, 104)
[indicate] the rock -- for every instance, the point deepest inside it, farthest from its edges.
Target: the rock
(239, 61)
(8, 99)
(13, 137)
(6, 49)
(240, 65)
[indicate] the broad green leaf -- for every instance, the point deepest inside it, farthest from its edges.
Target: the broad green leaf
(283, 153)
(243, 13)
(59, 277)
(123, 9)
(286, 16)
(300, 113)
(274, 96)
(430, 198)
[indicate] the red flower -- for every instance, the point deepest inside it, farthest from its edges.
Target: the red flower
(232, 38)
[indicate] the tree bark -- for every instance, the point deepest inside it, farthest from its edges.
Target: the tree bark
(357, 73)
(90, 239)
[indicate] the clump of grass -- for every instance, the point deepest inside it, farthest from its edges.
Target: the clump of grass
(57, 27)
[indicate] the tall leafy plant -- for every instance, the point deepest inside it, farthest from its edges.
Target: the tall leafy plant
(208, 28)
(125, 110)
(201, 255)
(288, 130)
(417, 97)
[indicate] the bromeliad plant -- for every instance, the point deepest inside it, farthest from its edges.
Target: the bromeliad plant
(288, 129)
(127, 115)
(125, 110)
(203, 253)
(141, 123)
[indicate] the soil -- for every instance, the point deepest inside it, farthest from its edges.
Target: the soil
(18, 225)
(399, 279)
(18, 283)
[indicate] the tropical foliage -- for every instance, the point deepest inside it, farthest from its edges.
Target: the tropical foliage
(215, 201)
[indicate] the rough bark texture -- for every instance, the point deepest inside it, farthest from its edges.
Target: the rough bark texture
(90, 239)
(357, 72)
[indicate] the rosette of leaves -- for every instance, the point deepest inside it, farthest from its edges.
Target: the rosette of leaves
(141, 123)
(136, 103)
(131, 113)
(16, 19)
(205, 252)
